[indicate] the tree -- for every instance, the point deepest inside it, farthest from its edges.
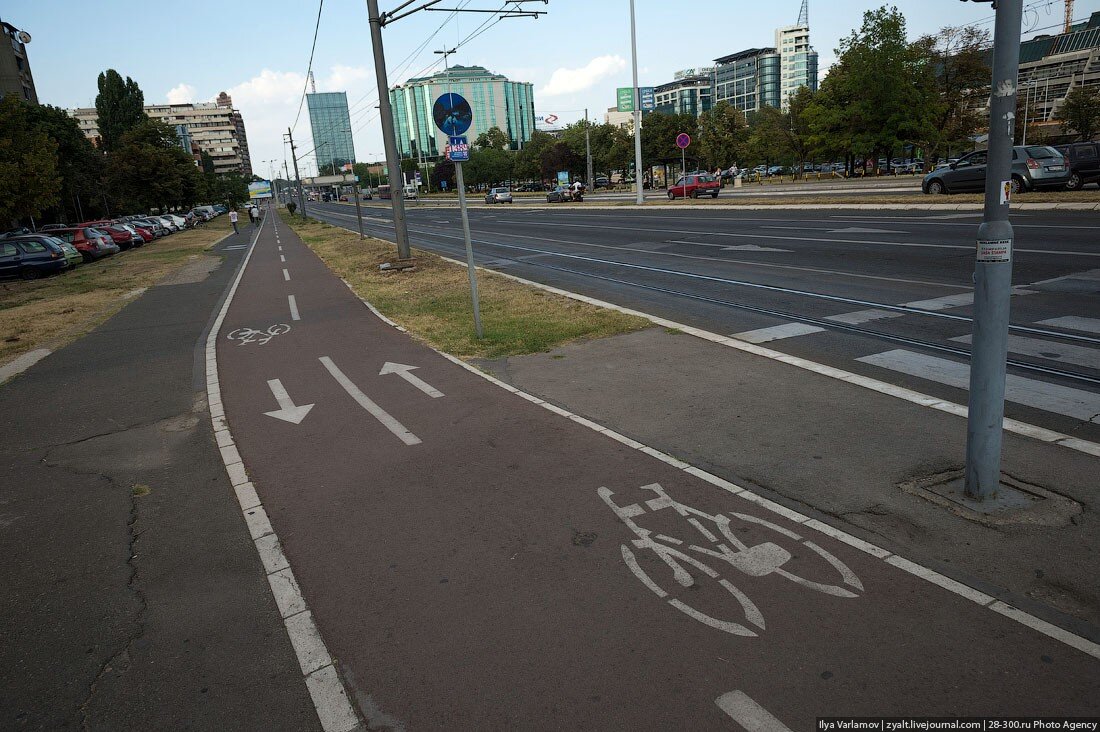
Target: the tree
(493, 138)
(488, 166)
(659, 133)
(444, 170)
(120, 106)
(79, 164)
(1081, 111)
(29, 178)
(529, 161)
(767, 137)
(796, 127)
(722, 136)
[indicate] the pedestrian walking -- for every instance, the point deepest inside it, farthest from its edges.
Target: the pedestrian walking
(233, 220)
(252, 215)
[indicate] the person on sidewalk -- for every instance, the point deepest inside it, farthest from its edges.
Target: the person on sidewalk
(233, 220)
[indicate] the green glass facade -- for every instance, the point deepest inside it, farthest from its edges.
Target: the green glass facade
(331, 125)
(495, 101)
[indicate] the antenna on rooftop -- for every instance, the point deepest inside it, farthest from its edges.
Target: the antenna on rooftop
(804, 14)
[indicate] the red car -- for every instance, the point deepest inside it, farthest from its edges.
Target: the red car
(145, 232)
(90, 242)
(121, 236)
(696, 185)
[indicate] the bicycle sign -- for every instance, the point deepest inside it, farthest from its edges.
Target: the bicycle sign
(251, 335)
(685, 559)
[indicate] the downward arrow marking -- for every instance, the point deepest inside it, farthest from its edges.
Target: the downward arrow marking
(403, 371)
(286, 411)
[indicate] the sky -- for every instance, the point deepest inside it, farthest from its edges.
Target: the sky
(576, 55)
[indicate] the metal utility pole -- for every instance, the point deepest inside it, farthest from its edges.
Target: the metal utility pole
(389, 137)
(470, 268)
(993, 267)
(297, 178)
(287, 171)
(588, 150)
(637, 111)
(358, 211)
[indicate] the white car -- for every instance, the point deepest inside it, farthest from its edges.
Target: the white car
(498, 195)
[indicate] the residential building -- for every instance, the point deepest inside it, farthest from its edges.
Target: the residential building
(686, 95)
(211, 128)
(330, 122)
(748, 80)
(797, 61)
(494, 99)
(226, 102)
(15, 67)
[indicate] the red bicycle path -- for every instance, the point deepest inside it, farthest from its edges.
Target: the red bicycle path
(476, 578)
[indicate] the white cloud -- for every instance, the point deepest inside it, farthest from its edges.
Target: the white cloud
(347, 78)
(181, 94)
(570, 81)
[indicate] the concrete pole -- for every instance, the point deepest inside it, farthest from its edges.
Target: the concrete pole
(358, 211)
(470, 269)
(588, 151)
(993, 267)
(389, 137)
(637, 111)
(297, 178)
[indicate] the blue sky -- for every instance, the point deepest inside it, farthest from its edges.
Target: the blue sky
(576, 55)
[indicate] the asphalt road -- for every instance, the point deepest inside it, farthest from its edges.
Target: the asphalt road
(474, 560)
(887, 295)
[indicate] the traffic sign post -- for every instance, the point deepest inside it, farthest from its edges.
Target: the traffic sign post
(452, 115)
(682, 141)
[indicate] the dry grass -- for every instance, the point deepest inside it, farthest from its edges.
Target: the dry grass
(433, 301)
(52, 311)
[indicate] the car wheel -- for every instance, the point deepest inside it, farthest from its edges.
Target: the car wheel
(671, 196)
(1074, 182)
(936, 187)
(1017, 185)
(548, 199)
(714, 195)
(695, 195)
(30, 274)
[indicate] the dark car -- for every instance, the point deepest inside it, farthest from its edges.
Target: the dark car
(89, 241)
(30, 257)
(561, 194)
(1034, 167)
(1083, 160)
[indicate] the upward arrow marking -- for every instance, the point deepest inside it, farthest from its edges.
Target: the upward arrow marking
(404, 372)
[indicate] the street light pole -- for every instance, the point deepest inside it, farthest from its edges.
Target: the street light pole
(637, 110)
(588, 150)
(993, 267)
(389, 136)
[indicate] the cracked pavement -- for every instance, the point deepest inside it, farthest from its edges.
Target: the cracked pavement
(133, 597)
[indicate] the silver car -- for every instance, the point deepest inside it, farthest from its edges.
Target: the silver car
(498, 195)
(1034, 167)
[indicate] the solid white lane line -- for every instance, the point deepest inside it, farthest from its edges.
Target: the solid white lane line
(777, 332)
(293, 307)
(375, 411)
(282, 258)
(1082, 405)
(747, 713)
(286, 275)
(20, 364)
(1073, 322)
(1062, 352)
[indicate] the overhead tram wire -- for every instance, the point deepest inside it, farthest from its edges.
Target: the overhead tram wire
(309, 68)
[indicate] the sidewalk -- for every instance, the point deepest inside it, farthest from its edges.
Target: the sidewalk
(132, 597)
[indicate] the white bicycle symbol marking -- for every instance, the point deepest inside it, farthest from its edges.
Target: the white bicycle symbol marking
(755, 561)
(251, 335)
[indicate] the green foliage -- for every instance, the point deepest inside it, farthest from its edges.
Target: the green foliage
(723, 136)
(120, 105)
(1081, 111)
(767, 136)
(493, 138)
(444, 170)
(659, 133)
(80, 166)
(488, 166)
(148, 170)
(29, 179)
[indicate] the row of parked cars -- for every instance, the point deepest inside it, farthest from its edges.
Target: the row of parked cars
(1034, 167)
(60, 247)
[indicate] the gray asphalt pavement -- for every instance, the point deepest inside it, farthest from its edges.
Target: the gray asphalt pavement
(886, 295)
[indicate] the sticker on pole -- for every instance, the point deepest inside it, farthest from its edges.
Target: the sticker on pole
(1006, 192)
(459, 149)
(682, 140)
(994, 250)
(452, 114)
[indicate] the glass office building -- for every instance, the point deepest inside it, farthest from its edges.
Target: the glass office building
(331, 125)
(767, 77)
(495, 101)
(687, 95)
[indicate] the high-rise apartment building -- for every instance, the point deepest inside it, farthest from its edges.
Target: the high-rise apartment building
(15, 67)
(330, 122)
(797, 61)
(225, 101)
(495, 101)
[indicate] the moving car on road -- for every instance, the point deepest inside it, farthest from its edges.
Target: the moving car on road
(562, 194)
(1083, 161)
(498, 195)
(694, 185)
(1034, 167)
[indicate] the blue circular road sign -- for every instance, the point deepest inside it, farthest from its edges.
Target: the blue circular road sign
(452, 114)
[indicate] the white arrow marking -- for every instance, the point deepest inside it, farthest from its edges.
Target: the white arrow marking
(375, 411)
(403, 371)
(286, 411)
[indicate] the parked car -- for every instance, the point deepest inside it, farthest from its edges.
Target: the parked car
(150, 225)
(47, 227)
(695, 185)
(72, 256)
(145, 234)
(1083, 159)
(30, 257)
(562, 194)
(601, 181)
(498, 195)
(209, 211)
(179, 222)
(122, 236)
(1034, 167)
(89, 241)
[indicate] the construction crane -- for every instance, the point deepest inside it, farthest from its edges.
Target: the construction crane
(1069, 16)
(313, 84)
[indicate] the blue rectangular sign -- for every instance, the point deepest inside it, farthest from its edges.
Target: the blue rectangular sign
(649, 99)
(460, 150)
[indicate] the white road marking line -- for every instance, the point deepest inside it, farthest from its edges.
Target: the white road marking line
(943, 303)
(752, 248)
(286, 275)
(405, 372)
(861, 230)
(1062, 352)
(282, 258)
(280, 248)
(325, 688)
(747, 713)
(858, 317)
(375, 411)
(20, 364)
(1073, 322)
(236, 246)
(293, 308)
(1055, 398)
(777, 332)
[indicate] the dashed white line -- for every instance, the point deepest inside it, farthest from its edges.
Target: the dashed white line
(751, 716)
(293, 307)
(777, 332)
(282, 258)
(286, 275)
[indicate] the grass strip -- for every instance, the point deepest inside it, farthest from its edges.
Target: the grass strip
(433, 300)
(52, 311)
